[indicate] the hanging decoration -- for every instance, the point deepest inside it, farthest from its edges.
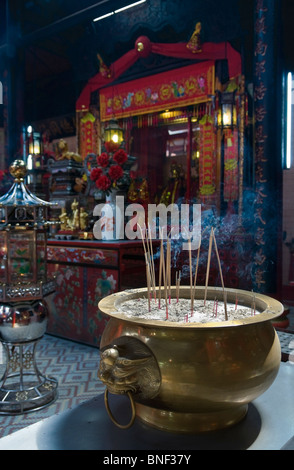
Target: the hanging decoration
(231, 170)
(185, 86)
(87, 134)
(207, 160)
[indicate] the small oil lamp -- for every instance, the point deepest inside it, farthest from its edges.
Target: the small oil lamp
(23, 286)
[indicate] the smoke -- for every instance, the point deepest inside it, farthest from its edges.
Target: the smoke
(240, 249)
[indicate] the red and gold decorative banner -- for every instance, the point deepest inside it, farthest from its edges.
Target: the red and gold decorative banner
(181, 87)
(231, 171)
(87, 135)
(210, 51)
(207, 159)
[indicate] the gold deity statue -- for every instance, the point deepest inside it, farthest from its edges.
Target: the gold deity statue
(63, 153)
(70, 222)
(63, 219)
(175, 185)
(74, 222)
(194, 43)
(84, 216)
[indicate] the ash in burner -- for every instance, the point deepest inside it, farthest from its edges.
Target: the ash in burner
(179, 310)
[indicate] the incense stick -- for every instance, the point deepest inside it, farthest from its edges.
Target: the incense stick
(165, 287)
(191, 282)
(142, 237)
(178, 280)
(208, 264)
(196, 270)
(161, 267)
(164, 275)
(168, 267)
(148, 285)
(147, 268)
(221, 275)
(152, 263)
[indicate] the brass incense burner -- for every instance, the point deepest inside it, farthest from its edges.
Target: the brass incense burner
(189, 377)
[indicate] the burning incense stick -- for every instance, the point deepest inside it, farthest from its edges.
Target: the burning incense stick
(178, 280)
(168, 267)
(161, 262)
(208, 264)
(191, 281)
(253, 305)
(197, 265)
(164, 274)
(147, 261)
(221, 275)
(148, 285)
(196, 269)
(142, 238)
(152, 263)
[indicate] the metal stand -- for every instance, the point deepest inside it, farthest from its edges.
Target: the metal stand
(23, 388)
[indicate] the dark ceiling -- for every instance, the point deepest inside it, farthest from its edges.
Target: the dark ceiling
(53, 44)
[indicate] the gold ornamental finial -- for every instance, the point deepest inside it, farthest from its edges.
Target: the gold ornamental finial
(18, 170)
(140, 47)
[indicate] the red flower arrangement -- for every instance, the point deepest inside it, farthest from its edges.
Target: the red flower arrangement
(103, 160)
(116, 172)
(109, 170)
(120, 157)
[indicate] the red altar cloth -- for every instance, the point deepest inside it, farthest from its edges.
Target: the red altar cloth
(210, 51)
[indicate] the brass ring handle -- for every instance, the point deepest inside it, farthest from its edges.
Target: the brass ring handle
(121, 426)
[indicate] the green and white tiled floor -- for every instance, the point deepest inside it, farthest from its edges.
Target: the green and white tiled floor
(74, 366)
(287, 345)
